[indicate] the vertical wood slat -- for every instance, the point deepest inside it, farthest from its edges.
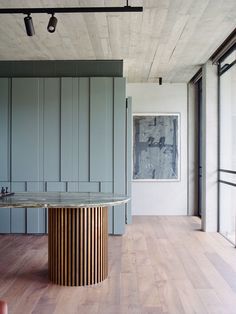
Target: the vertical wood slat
(99, 246)
(55, 247)
(49, 248)
(95, 244)
(92, 245)
(88, 249)
(85, 247)
(106, 241)
(73, 252)
(69, 248)
(77, 245)
(58, 249)
(81, 273)
(62, 245)
(65, 249)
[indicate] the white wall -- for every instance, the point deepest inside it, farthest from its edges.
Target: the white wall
(210, 147)
(162, 198)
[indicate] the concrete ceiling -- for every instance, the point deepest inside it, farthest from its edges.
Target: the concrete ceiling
(170, 39)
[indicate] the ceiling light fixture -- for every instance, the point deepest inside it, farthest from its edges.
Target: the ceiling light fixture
(29, 26)
(52, 24)
(53, 20)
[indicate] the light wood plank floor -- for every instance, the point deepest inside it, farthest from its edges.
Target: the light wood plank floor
(161, 265)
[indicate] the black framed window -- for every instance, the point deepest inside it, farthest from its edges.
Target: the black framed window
(227, 145)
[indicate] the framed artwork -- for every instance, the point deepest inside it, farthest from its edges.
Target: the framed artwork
(156, 143)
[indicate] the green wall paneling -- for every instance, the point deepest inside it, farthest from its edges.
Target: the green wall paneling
(83, 186)
(18, 215)
(101, 129)
(26, 129)
(18, 220)
(55, 187)
(72, 186)
(36, 220)
(88, 186)
(5, 220)
(4, 130)
(5, 213)
(67, 134)
(51, 129)
(129, 122)
(107, 187)
(84, 127)
(69, 129)
(119, 146)
(35, 217)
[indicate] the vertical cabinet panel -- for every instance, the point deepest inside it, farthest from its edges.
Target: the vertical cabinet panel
(5, 214)
(25, 129)
(18, 215)
(51, 128)
(69, 129)
(107, 187)
(5, 220)
(119, 152)
(4, 149)
(4, 130)
(84, 129)
(101, 129)
(129, 122)
(18, 220)
(36, 217)
(119, 135)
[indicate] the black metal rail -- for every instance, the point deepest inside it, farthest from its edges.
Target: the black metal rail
(28, 11)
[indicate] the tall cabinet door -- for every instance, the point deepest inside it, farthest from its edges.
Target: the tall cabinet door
(101, 129)
(119, 153)
(4, 149)
(108, 142)
(26, 129)
(27, 149)
(128, 214)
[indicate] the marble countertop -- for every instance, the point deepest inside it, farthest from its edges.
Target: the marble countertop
(62, 200)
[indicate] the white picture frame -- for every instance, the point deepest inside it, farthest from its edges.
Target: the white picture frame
(158, 140)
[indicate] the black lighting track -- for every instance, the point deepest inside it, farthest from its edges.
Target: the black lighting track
(28, 11)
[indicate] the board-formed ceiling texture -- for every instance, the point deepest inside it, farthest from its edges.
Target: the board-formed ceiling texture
(170, 39)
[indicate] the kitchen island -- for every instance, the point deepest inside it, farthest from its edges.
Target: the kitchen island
(77, 232)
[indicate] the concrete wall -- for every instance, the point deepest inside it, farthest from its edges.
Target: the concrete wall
(162, 198)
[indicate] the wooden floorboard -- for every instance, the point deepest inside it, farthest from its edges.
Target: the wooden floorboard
(162, 265)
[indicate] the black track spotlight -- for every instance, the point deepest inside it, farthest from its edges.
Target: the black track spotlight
(52, 24)
(29, 26)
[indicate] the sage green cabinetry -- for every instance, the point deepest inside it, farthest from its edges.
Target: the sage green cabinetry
(63, 134)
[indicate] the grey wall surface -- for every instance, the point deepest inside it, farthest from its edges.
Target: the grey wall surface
(63, 134)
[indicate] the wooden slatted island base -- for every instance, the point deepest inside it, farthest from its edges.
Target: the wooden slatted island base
(77, 233)
(77, 245)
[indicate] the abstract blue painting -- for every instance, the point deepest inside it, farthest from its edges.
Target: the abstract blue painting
(156, 147)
